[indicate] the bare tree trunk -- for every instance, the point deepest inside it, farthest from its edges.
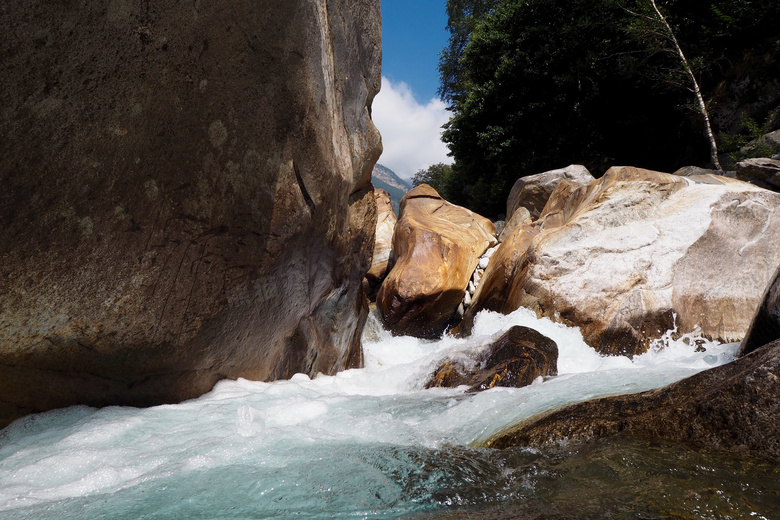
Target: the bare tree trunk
(696, 90)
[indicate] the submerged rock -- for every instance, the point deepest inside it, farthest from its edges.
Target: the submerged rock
(533, 191)
(515, 359)
(765, 326)
(731, 407)
(436, 247)
(631, 255)
(383, 243)
(184, 195)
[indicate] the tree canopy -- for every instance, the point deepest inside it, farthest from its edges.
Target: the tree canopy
(539, 84)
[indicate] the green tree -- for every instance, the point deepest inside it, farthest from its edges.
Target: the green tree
(438, 176)
(539, 84)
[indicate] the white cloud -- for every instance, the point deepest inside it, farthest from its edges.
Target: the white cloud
(411, 132)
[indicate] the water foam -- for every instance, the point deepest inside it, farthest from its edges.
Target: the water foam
(357, 434)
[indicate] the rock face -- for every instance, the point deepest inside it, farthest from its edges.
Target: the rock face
(732, 407)
(184, 195)
(630, 255)
(383, 244)
(533, 191)
(516, 359)
(765, 326)
(436, 246)
(761, 171)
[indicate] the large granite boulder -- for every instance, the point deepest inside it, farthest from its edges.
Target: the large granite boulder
(184, 195)
(533, 191)
(383, 243)
(436, 247)
(765, 326)
(630, 256)
(516, 359)
(732, 407)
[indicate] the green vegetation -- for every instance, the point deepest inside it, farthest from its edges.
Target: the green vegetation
(539, 84)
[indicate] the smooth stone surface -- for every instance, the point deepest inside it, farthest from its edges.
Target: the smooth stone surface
(732, 407)
(184, 195)
(636, 253)
(383, 244)
(533, 191)
(436, 247)
(765, 326)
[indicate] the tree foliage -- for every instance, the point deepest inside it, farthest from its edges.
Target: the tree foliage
(438, 176)
(539, 84)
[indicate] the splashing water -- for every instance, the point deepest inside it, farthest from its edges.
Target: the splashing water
(367, 443)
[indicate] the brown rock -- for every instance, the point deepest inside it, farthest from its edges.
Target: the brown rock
(533, 191)
(625, 255)
(732, 407)
(765, 326)
(515, 359)
(184, 195)
(436, 246)
(383, 243)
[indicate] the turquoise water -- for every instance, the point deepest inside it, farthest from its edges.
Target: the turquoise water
(372, 443)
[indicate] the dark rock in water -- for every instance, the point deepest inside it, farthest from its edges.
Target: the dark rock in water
(732, 407)
(765, 326)
(184, 195)
(436, 246)
(516, 359)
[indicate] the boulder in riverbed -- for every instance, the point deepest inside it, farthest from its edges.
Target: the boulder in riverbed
(533, 191)
(184, 195)
(436, 247)
(637, 252)
(383, 243)
(732, 407)
(516, 359)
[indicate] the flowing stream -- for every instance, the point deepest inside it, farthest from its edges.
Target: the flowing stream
(373, 443)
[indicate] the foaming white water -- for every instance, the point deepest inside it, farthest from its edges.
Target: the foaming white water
(310, 444)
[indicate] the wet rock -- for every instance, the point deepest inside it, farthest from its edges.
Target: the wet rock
(533, 191)
(436, 246)
(731, 407)
(516, 359)
(184, 195)
(626, 256)
(765, 326)
(383, 244)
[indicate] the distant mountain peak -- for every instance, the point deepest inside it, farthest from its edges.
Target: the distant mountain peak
(385, 179)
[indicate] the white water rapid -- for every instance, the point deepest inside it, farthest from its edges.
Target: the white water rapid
(367, 443)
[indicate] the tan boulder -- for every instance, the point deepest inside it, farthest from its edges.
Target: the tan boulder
(516, 359)
(533, 191)
(185, 195)
(436, 246)
(630, 256)
(383, 243)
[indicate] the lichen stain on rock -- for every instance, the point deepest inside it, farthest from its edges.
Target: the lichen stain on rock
(118, 10)
(217, 133)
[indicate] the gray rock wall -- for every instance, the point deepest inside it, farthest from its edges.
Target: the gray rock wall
(184, 195)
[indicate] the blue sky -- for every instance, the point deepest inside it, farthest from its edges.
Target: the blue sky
(413, 34)
(408, 111)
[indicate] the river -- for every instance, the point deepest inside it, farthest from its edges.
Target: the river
(372, 443)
